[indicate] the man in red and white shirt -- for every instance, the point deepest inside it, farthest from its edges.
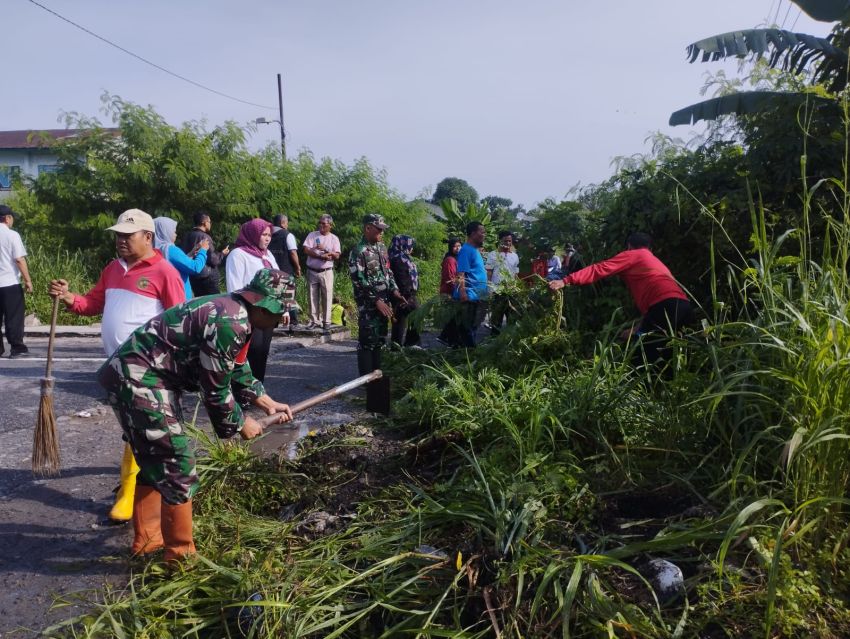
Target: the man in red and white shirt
(659, 298)
(132, 289)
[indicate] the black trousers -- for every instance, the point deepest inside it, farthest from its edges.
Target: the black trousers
(401, 333)
(500, 311)
(12, 317)
(258, 351)
(202, 286)
(468, 325)
(670, 313)
(663, 319)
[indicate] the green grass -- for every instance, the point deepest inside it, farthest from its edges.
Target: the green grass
(546, 470)
(47, 262)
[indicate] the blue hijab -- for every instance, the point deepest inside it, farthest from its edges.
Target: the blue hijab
(165, 231)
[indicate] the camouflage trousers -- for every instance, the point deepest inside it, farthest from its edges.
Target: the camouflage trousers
(372, 327)
(151, 418)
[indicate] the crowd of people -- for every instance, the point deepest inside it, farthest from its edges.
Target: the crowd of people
(166, 327)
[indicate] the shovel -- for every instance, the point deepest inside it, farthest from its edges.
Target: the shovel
(377, 396)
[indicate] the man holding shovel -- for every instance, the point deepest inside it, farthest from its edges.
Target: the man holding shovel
(132, 289)
(199, 345)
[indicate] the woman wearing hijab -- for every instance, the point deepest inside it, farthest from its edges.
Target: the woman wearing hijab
(249, 255)
(163, 240)
(407, 278)
(448, 273)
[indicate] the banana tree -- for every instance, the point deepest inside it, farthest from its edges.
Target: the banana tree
(455, 219)
(826, 59)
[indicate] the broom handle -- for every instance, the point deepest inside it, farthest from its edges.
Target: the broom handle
(328, 394)
(49, 368)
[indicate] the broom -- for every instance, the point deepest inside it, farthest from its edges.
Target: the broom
(45, 443)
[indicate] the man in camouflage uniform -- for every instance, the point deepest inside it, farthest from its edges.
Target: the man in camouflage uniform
(374, 285)
(198, 345)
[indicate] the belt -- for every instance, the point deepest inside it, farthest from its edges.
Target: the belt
(319, 270)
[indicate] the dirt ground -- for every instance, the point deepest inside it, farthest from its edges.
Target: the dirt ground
(54, 539)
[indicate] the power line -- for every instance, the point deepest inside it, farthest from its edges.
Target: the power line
(153, 64)
(767, 17)
(785, 19)
(799, 13)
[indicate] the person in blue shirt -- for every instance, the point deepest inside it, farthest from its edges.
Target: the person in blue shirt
(186, 265)
(471, 287)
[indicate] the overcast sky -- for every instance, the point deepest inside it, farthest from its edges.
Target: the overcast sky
(522, 98)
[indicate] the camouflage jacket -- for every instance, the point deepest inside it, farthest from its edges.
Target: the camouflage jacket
(371, 275)
(195, 346)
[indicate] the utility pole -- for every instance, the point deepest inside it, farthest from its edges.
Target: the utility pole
(280, 107)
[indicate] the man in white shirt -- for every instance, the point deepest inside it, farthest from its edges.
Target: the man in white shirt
(13, 268)
(502, 265)
(322, 248)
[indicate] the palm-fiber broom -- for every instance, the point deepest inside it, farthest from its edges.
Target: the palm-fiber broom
(45, 442)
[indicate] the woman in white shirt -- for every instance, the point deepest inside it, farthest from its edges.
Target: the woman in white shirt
(250, 255)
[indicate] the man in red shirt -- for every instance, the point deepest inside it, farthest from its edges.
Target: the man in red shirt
(132, 289)
(660, 300)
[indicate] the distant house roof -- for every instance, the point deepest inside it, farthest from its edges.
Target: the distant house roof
(39, 138)
(433, 210)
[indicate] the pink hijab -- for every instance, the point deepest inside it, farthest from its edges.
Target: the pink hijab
(249, 239)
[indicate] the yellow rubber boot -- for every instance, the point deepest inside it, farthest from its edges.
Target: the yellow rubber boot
(122, 510)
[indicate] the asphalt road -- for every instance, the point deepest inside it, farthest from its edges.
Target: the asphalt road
(53, 539)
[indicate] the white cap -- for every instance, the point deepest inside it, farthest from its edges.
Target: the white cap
(133, 220)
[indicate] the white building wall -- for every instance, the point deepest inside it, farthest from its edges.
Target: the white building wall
(28, 160)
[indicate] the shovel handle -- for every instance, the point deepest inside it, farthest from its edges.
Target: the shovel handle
(328, 394)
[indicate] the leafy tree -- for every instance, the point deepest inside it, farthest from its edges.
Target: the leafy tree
(682, 200)
(452, 188)
(553, 224)
(494, 202)
(823, 59)
(505, 216)
(179, 170)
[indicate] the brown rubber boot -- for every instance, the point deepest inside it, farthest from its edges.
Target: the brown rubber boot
(177, 530)
(147, 533)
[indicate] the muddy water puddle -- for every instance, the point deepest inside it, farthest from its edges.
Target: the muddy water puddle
(284, 438)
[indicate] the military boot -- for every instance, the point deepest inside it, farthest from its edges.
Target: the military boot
(364, 361)
(177, 531)
(147, 533)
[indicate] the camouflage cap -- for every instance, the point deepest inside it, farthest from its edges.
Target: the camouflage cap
(375, 220)
(268, 290)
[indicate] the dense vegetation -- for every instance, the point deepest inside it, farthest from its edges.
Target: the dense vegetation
(172, 171)
(524, 489)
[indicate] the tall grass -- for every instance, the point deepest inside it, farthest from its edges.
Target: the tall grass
(47, 262)
(538, 482)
